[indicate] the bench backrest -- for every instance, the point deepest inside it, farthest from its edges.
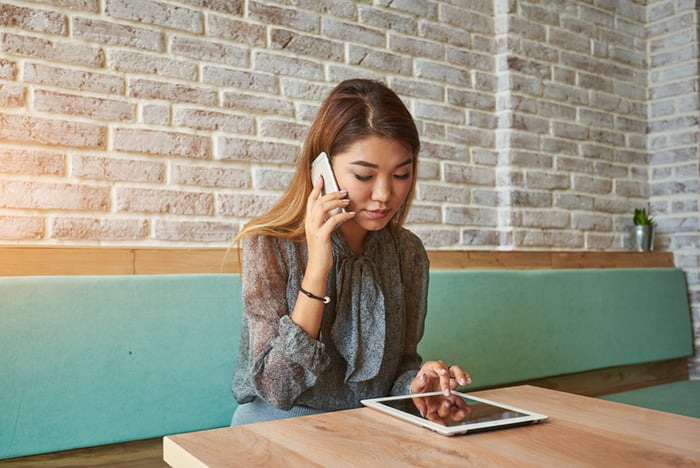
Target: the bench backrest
(89, 360)
(103, 359)
(509, 326)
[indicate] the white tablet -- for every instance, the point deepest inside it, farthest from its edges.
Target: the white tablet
(459, 413)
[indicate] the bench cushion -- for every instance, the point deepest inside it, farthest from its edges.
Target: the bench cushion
(507, 326)
(96, 360)
(677, 397)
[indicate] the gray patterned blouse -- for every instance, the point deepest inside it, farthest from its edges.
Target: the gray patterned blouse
(369, 332)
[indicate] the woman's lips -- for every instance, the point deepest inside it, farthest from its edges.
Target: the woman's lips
(377, 214)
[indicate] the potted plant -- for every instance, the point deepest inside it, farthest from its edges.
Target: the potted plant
(642, 235)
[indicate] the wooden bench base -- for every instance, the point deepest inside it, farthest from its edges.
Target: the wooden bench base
(137, 454)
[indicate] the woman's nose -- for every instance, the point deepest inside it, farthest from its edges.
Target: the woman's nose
(382, 190)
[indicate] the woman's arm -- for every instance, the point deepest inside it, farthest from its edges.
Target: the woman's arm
(284, 360)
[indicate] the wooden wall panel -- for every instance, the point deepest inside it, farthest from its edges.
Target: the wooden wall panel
(25, 261)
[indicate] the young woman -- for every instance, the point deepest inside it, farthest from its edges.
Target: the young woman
(335, 304)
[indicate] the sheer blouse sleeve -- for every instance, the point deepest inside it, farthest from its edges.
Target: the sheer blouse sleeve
(283, 361)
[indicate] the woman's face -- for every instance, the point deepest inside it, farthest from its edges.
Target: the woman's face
(377, 172)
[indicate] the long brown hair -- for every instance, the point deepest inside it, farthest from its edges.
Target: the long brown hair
(355, 109)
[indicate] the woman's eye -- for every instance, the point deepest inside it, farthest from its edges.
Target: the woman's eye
(403, 176)
(362, 178)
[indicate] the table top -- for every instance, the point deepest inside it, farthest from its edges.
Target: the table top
(581, 431)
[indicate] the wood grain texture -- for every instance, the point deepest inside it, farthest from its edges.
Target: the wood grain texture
(24, 261)
(581, 431)
(137, 454)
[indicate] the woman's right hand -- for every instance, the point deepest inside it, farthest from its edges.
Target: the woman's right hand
(319, 225)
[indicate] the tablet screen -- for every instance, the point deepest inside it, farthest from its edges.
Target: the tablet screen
(452, 410)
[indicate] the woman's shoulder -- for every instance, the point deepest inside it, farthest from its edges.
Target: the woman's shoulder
(263, 247)
(409, 244)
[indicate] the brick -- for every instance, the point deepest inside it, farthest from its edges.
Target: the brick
(48, 195)
(291, 17)
(470, 60)
(296, 88)
(545, 238)
(155, 114)
(56, 51)
(470, 137)
(113, 169)
(573, 201)
(245, 102)
(110, 33)
(444, 34)
(486, 237)
(271, 179)
(22, 228)
(74, 79)
(420, 8)
(387, 20)
(531, 198)
(592, 185)
(550, 219)
(31, 19)
(128, 61)
(443, 193)
(547, 180)
(34, 130)
(244, 79)
(414, 47)
(206, 176)
(162, 143)
(32, 162)
(306, 45)
(471, 216)
(378, 60)
(8, 69)
(285, 65)
(591, 222)
(95, 108)
(236, 30)
(277, 128)
(207, 50)
(231, 7)
(467, 20)
(147, 89)
(98, 229)
(194, 231)
(444, 73)
(213, 120)
(352, 32)
(437, 237)
(468, 175)
(244, 205)
(440, 113)
(486, 197)
(442, 152)
(12, 95)
(241, 149)
(417, 88)
(426, 214)
(471, 99)
(156, 13)
(81, 5)
(164, 201)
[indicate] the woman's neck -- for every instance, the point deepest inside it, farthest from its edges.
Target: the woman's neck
(354, 236)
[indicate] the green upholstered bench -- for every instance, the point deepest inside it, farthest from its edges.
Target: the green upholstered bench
(90, 360)
(512, 326)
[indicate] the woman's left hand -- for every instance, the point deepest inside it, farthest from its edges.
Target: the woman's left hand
(436, 376)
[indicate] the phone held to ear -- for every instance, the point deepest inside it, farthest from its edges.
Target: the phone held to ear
(321, 167)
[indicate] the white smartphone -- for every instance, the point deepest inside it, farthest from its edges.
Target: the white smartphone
(321, 167)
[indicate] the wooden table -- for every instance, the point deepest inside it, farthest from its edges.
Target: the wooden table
(581, 431)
